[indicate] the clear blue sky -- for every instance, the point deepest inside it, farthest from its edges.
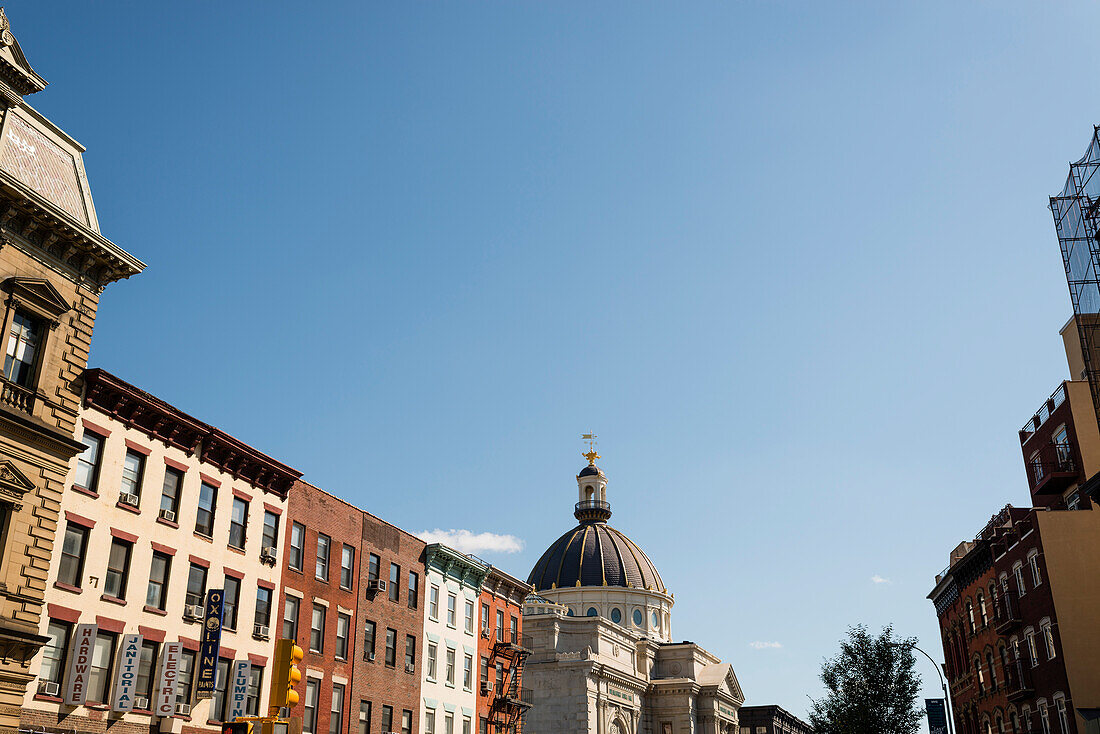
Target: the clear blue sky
(792, 261)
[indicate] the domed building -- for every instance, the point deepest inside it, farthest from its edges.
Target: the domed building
(599, 628)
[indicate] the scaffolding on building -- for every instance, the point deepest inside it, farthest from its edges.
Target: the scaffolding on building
(1076, 213)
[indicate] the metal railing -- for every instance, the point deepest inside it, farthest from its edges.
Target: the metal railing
(1043, 413)
(1006, 610)
(1019, 679)
(593, 505)
(1054, 458)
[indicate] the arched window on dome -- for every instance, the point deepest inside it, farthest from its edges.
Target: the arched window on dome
(656, 621)
(592, 612)
(638, 617)
(616, 615)
(570, 612)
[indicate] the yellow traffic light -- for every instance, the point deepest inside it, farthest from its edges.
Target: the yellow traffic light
(285, 675)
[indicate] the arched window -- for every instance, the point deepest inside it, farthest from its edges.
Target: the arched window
(970, 616)
(656, 621)
(1000, 724)
(981, 609)
(992, 670)
(570, 613)
(592, 612)
(978, 674)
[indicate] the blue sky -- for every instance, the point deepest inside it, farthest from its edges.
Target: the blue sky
(791, 261)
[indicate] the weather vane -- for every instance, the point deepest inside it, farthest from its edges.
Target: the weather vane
(591, 454)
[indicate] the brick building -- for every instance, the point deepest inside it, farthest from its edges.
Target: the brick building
(54, 263)
(501, 652)
(770, 720)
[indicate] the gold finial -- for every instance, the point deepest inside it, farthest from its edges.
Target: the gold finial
(591, 454)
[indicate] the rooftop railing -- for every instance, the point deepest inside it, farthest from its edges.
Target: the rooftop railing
(1043, 413)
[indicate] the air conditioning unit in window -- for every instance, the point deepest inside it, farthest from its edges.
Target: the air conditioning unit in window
(376, 585)
(183, 709)
(140, 702)
(410, 668)
(486, 633)
(168, 515)
(262, 631)
(48, 688)
(267, 555)
(193, 611)
(370, 657)
(486, 687)
(129, 499)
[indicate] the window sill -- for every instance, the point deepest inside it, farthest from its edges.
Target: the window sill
(295, 570)
(450, 685)
(235, 549)
(322, 580)
(169, 523)
(112, 599)
(85, 491)
(345, 588)
(97, 706)
(128, 508)
(51, 699)
(203, 536)
(67, 587)
(141, 712)
(154, 610)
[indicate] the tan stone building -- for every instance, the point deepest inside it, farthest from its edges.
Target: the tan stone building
(54, 263)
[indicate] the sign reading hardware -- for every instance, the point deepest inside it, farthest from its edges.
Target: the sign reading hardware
(239, 673)
(166, 683)
(76, 687)
(129, 657)
(206, 678)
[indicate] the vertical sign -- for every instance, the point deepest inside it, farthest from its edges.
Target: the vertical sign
(937, 715)
(165, 703)
(239, 674)
(205, 680)
(76, 685)
(129, 657)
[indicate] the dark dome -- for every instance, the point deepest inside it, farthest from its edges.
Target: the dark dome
(590, 471)
(595, 554)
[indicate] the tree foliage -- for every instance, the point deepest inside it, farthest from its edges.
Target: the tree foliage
(871, 686)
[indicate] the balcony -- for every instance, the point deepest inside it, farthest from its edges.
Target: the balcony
(1053, 468)
(592, 510)
(17, 397)
(1019, 681)
(1043, 413)
(1006, 612)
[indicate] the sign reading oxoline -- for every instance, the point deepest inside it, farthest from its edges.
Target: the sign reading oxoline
(206, 678)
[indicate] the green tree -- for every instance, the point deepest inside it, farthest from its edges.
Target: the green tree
(871, 686)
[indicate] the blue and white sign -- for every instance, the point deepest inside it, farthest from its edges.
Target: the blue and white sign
(129, 658)
(239, 674)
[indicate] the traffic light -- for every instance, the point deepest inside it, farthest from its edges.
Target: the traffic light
(284, 677)
(236, 727)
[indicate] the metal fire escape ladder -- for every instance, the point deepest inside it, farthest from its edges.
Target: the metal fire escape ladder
(510, 703)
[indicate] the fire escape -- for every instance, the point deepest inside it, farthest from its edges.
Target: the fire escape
(512, 700)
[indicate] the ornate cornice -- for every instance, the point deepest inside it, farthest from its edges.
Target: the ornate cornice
(172, 427)
(459, 566)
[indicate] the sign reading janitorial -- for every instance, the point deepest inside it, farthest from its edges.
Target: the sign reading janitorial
(165, 702)
(239, 673)
(76, 686)
(206, 677)
(937, 715)
(129, 658)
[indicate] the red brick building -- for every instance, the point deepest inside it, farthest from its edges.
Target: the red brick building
(320, 585)
(501, 653)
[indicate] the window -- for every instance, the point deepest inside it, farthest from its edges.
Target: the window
(1048, 638)
(364, 717)
(1073, 502)
(406, 722)
(157, 591)
(1044, 717)
(500, 626)
(133, 466)
(1033, 561)
(170, 492)
(387, 718)
(500, 676)
(238, 523)
(391, 647)
(147, 663)
(204, 521)
(433, 651)
(309, 715)
(99, 673)
(449, 724)
(297, 543)
(979, 675)
(452, 601)
(336, 719)
(414, 589)
(466, 725)
(981, 609)
(87, 466)
(196, 585)
(513, 630)
(484, 616)
(232, 602)
(450, 666)
(395, 582)
(317, 629)
(483, 727)
(347, 563)
(372, 567)
(71, 569)
(1032, 649)
(484, 670)
(54, 651)
(433, 602)
(1018, 573)
(1060, 708)
(118, 569)
(368, 640)
(255, 686)
(468, 672)
(469, 617)
(323, 544)
(22, 349)
(271, 531)
(637, 616)
(263, 606)
(290, 618)
(429, 721)
(343, 628)
(992, 671)
(410, 652)
(183, 678)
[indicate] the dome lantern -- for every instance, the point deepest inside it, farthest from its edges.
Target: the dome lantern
(592, 504)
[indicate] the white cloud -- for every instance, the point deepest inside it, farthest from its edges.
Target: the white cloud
(761, 645)
(876, 579)
(476, 543)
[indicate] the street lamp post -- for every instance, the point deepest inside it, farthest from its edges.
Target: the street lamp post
(943, 684)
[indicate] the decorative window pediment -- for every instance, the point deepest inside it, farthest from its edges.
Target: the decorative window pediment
(13, 484)
(39, 295)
